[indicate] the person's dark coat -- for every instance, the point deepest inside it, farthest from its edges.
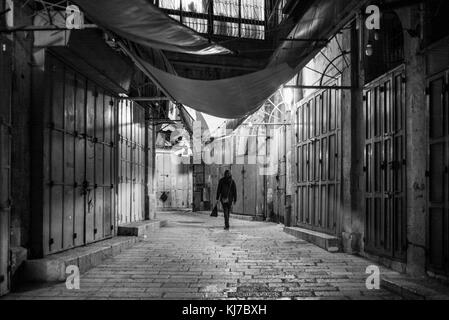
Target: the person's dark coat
(227, 189)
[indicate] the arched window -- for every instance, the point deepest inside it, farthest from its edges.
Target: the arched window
(384, 48)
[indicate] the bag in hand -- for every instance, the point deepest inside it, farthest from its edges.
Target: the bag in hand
(214, 212)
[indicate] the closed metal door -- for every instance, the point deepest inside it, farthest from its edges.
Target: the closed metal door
(438, 171)
(199, 186)
(280, 177)
(239, 176)
(385, 161)
(79, 168)
(131, 162)
(5, 162)
(174, 180)
(318, 157)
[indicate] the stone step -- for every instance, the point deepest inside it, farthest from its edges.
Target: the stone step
(53, 267)
(322, 240)
(140, 229)
(415, 288)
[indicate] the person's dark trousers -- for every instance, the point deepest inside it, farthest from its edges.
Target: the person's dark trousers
(227, 212)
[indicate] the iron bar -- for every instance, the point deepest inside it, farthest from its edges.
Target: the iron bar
(145, 99)
(331, 62)
(43, 28)
(321, 87)
(305, 40)
(321, 73)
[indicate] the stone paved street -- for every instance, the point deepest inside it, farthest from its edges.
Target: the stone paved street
(194, 258)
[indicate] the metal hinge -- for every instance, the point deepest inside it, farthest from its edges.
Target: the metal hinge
(75, 236)
(51, 241)
(2, 278)
(427, 91)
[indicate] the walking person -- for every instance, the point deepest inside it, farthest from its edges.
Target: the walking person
(227, 194)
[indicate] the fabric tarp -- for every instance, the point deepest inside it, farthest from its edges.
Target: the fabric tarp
(139, 21)
(143, 23)
(240, 96)
(319, 21)
(226, 98)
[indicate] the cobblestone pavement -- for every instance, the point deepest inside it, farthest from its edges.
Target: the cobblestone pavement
(194, 258)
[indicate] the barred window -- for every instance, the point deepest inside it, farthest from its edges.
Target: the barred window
(233, 18)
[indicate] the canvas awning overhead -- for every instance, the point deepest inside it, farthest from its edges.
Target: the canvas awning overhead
(226, 98)
(317, 24)
(141, 22)
(239, 96)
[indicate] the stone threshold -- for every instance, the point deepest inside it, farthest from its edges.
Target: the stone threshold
(140, 229)
(422, 288)
(322, 240)
(53, 268)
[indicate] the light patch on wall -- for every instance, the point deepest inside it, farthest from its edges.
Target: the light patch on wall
(9, 17)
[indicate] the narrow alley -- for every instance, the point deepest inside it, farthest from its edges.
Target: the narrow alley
(194, 258)
(224, 149)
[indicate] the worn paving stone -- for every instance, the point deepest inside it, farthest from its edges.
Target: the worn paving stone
(194, 258)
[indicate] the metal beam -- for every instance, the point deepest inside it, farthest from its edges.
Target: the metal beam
(265, 124)
(43, 28)
(321, 87)
(305, 40)
(145, 99)
(212, 65)
(320, 73)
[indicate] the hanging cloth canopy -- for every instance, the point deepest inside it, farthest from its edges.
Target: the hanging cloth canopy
(226, 98)
(318, 23)
(141, 22)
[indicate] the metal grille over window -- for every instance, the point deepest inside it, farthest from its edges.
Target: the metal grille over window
(231, 18)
